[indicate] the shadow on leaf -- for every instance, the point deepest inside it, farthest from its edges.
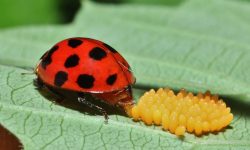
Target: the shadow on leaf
(237, 106)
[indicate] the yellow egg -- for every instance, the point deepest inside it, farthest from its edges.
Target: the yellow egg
(157, 117)
(180, 131)
(182, 112)
(165, 122)
(135, 113)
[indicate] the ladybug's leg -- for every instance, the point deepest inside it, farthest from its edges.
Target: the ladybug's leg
(91, 105)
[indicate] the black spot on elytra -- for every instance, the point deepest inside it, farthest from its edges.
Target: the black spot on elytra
(110, 48)
(111, 79)
(72, 61)
(60, 78)
(85, 81)
(74, 43)
(46, 58)
(97, 53)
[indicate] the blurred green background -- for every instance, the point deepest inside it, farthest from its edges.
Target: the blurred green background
(30, 12)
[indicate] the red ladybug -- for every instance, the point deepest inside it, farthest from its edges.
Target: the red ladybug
(88, 66)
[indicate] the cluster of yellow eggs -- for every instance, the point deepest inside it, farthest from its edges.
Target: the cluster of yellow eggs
(178, 113)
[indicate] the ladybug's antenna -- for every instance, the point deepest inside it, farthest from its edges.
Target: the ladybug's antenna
(31, 72)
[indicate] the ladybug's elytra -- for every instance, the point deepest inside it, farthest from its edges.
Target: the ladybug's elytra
(88, 66)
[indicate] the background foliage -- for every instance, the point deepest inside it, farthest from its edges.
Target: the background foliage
(30, 12)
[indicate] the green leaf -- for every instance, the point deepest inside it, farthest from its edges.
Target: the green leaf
(196, 45)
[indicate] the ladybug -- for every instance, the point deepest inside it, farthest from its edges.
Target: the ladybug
(88, 66)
